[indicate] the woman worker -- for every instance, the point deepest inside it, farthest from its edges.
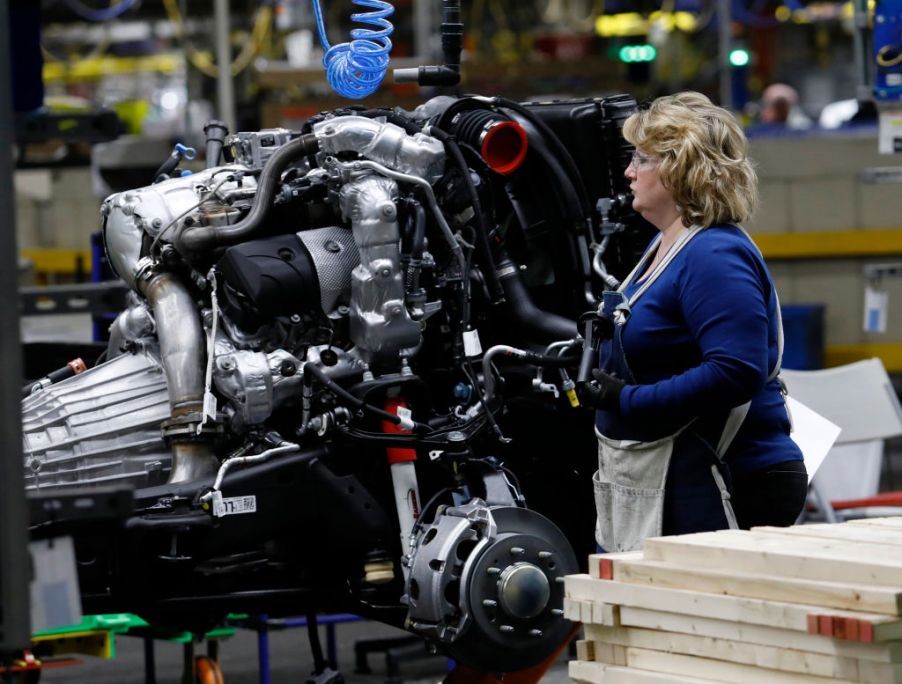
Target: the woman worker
(691, 421)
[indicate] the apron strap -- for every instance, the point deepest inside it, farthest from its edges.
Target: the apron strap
(734, 421)
(677, 247)
(725, 497)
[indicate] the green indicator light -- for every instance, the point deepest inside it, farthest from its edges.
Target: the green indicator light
(637, 53)
(739, 58)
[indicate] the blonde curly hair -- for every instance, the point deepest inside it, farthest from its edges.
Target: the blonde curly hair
(703, 157)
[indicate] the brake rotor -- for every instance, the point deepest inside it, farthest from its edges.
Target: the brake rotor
(504, 611)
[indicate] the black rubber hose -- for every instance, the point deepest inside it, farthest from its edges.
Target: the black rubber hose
(548, 327)
(555, 142)
(166, 168)
(571, 204)
(483, 248)
(216, 132)
(311, 369)
(406, 227)
(200, 238)
(417, 246)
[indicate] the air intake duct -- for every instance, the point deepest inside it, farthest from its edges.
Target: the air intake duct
(502, 143)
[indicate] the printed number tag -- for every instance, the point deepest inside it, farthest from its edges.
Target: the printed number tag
(233, 505)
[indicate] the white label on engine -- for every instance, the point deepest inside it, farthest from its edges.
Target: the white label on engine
(233, 505)
(406, 416)
(472, 346)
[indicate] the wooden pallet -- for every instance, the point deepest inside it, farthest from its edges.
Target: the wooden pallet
(797, 605)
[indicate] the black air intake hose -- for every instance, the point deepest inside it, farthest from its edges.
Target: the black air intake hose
(557, 146)
(500, 141)
(200, 238)
(545, 326)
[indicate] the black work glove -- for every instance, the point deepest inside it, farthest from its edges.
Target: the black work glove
(603, 392)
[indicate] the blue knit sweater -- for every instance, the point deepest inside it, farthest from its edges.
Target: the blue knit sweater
(701, 340)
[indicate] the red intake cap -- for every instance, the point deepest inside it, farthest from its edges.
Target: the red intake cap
(504, 145)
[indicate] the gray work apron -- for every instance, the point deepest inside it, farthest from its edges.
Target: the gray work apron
(630, 481)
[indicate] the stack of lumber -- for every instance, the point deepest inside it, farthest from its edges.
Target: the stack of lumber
(797, 605)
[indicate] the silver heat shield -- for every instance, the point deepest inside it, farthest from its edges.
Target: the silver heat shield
(335, 255)
(99, 427)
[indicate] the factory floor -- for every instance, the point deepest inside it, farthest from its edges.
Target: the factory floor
(290, 661)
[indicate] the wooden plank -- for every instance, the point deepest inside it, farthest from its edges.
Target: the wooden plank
(585, 649)
(856, 534)
(779, 658)
(774, 554)
(601, 564)
(591, 612)
(601, 673)
(892, 522)
(870, 599)
(793, 616)
(759, 634)
(605, 614)
(574, 610)
(612, 654)
(718, 670)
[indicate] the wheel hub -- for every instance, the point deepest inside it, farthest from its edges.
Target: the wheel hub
(486, 584)
(523, 590)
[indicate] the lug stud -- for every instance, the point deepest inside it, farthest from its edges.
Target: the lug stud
(507, 629)
(517, 551)
(489, 603)
(493, 571)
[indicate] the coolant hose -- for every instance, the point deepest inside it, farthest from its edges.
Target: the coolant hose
(201, 238)
(546, 326)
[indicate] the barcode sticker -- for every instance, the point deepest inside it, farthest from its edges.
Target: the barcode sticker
(233, 505)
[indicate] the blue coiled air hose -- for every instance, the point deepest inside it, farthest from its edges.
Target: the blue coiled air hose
(356, 69)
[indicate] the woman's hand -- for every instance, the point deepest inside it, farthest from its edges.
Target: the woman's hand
(603, 392)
